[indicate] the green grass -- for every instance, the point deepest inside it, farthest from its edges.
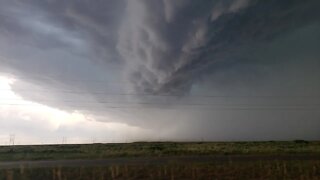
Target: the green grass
(146, 149)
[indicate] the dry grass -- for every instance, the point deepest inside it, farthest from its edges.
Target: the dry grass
(229, 170)
(254, 169)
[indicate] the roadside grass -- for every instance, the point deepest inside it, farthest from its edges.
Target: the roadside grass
(148, 149)
(273, 169)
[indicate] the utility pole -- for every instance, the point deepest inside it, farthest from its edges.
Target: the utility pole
(11, 141)
(64, 140)
(93, 140)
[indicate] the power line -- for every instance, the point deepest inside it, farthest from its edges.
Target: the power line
(159, 103)
(43, 76)
(164, 95)
(177, 108)
(62, 78)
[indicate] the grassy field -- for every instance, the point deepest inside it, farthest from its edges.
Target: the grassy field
(227, 167)
(231, 170)
(145, 149)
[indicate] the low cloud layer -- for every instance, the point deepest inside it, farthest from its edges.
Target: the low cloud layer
(218, 70)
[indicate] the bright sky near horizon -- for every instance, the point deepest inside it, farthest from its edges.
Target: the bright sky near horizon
(34, 123)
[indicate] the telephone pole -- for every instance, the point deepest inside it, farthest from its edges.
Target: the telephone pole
(11, 139)
(64, 140)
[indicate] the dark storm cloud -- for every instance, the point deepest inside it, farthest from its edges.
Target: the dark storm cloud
(60, 45)
(174, 47)
(165, 49)
(53, 24)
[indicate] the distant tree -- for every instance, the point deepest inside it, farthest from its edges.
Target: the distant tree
(301, 141)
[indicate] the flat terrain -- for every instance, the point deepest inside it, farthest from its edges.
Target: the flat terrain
(155, 149)
(163, 160)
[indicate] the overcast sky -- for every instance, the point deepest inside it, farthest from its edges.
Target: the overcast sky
(139, 70)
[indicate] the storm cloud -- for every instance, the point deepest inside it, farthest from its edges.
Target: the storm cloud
(167, 46)
(218, 70)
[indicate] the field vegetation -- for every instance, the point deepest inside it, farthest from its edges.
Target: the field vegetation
(228, 170)
(158, 149)
(151, 161)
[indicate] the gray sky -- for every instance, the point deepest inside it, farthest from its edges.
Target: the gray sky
(129, 70)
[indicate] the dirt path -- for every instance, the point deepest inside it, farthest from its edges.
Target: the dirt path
(153, 160)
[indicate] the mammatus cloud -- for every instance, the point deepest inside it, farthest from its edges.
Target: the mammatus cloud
(185, 70)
